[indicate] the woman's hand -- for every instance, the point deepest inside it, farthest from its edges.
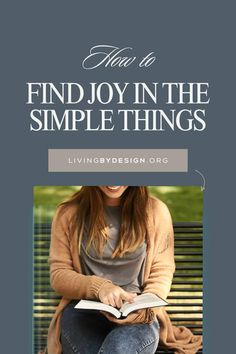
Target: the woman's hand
(114, 295)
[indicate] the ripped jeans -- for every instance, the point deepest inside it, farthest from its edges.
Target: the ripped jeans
(89, 332)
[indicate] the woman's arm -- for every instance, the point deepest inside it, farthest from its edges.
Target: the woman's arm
(65, 280)
(162, 241)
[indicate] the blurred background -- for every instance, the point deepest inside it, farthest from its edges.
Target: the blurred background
(184, 202)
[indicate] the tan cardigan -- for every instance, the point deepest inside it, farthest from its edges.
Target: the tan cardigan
(67, 280)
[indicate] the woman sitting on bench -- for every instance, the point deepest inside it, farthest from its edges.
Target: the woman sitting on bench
(110, 243)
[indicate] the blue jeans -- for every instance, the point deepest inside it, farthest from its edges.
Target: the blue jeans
(89, 332)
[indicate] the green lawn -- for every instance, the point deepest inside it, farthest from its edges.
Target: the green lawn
(185, 203)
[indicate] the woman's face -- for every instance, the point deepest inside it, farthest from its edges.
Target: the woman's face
(113, 194)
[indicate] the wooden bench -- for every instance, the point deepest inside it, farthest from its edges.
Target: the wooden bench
(185, 299)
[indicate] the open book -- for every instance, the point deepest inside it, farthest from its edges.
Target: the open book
(140, 302)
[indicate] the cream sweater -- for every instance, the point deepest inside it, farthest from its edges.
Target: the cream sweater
(67, 279)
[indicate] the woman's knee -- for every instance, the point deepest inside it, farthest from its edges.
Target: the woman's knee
(132, 339)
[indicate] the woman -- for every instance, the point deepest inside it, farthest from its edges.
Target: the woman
(110, 243)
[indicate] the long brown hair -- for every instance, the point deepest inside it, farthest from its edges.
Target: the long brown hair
(90, 211)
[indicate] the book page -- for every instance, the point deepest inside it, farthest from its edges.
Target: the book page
(142, 301)
(96, 305)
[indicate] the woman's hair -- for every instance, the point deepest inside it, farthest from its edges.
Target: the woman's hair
(90, 213)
